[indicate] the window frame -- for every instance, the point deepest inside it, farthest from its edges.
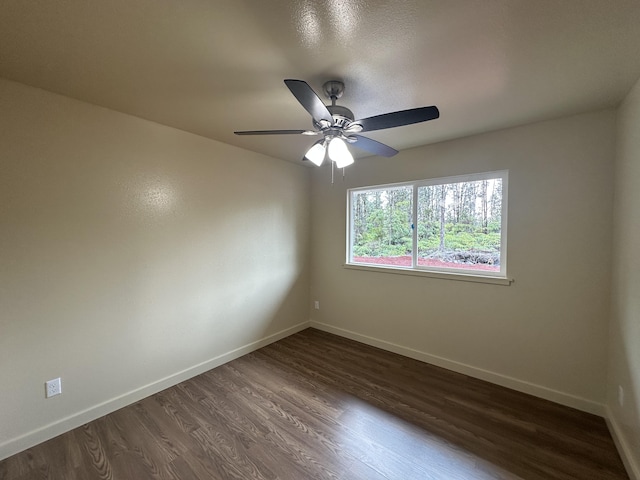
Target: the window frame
(440, 272)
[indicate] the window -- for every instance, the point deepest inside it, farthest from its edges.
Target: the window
(453, 225)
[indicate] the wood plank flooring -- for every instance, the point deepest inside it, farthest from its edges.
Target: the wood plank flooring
(318, 406)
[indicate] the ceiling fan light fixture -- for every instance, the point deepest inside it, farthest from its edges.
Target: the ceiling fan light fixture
(339, 153)
(316, 153)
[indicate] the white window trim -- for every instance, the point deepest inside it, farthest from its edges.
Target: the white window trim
(499, 278)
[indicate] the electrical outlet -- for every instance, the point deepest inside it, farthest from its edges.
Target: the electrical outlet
(621, 395)
(316, 305)
(53, 387)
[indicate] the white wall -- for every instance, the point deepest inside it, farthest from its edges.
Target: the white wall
(546, 333)
(132, 255)
(624, 357)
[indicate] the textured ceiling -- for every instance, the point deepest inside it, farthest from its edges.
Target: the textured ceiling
(212, 67)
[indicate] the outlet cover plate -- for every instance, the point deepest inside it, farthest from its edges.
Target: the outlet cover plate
(53, 387)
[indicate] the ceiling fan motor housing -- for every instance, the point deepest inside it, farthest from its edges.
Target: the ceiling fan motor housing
(342, 116)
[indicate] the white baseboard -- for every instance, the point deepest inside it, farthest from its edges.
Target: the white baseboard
(34, 437)
(630, 462)
(526, 387)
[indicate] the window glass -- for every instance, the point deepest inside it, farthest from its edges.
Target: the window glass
(460, 225)
(381, 226)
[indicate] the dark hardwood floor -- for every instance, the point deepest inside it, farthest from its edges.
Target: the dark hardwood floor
(317, 406)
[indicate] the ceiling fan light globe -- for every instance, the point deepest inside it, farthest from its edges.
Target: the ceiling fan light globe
(316, 154)
(339, 153)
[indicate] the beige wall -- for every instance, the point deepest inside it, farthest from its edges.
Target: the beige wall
(624, 366)
(125, 267)
(132, 255)
(544, 334)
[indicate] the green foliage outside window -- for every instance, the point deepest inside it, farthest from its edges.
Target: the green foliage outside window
(457, 222)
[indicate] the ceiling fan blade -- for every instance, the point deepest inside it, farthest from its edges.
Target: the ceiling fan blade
(398, 119)
(277, 132)
(373, 146)
(309, 100)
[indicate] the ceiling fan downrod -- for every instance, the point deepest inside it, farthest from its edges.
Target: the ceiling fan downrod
(333, 89)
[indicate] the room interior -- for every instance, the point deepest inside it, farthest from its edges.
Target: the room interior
(144, 243)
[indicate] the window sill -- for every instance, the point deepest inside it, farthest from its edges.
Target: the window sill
(461, 277)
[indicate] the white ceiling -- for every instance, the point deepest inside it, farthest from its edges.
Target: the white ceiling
(214, 66)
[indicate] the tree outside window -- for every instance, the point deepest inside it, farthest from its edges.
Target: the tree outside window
(457, 224)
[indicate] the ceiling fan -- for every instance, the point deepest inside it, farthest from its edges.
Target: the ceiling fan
(338, 126)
